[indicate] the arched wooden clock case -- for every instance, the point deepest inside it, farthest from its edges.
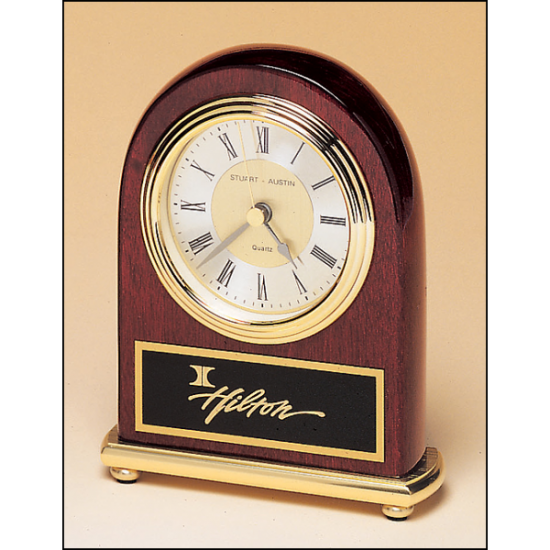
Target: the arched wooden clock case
(379, 337)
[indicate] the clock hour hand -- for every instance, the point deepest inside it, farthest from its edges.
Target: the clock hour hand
(225, 243)
(282, 248)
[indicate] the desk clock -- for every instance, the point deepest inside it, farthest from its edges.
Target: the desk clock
(272, 286)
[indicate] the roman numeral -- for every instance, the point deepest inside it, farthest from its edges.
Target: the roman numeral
(323, 182)
(208, 174)
(262, 290)
(227, 272)
(330, 220)
(231, 153)
(323, 256)
(193, 206)
(297, 153)
(263, 139)
(299, 283)
(200, 243)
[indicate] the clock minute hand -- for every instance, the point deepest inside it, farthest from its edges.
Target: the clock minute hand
(254, 218)
(225, 243)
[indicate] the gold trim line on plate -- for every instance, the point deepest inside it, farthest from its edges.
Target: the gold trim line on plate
(398, 496)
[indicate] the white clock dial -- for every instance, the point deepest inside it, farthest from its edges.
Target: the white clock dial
(292, 253)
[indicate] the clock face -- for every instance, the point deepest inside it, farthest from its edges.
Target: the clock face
(248, 226)
(256, 221)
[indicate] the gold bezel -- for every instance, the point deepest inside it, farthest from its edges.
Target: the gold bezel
(161, 248)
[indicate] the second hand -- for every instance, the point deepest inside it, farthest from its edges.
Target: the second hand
(246, 166)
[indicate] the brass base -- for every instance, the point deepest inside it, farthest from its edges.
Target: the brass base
(398, 496)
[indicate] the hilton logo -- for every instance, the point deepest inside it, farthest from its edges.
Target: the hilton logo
(223, 400)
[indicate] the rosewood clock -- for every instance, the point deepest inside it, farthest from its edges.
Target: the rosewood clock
(272, 286)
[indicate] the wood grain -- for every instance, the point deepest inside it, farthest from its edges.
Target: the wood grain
(384, 327)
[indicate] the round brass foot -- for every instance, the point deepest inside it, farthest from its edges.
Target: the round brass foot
(397, 513)
(124, 475)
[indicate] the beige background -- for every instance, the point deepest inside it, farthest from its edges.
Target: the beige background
(428, 61)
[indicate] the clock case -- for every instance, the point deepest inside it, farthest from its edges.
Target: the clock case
(384, 328)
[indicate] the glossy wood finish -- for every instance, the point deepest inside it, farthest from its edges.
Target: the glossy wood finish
(385, 326)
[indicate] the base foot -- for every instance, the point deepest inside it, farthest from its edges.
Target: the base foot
(123, 475)
(397, 513)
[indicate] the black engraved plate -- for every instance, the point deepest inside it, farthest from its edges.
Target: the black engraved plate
(258, 400)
